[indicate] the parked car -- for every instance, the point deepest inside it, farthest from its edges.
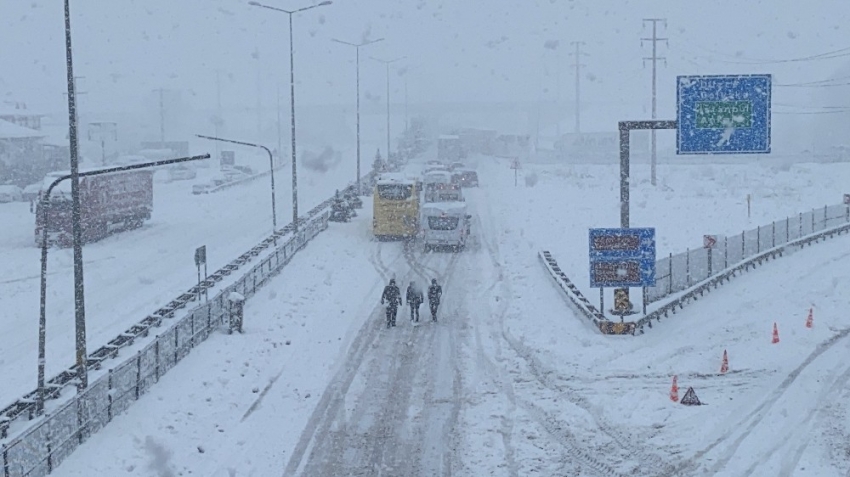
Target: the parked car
(207, 186)
(181, 173)
(245, 169)
(202, 188)
(10, 193)
(31, 192)
(467, 177)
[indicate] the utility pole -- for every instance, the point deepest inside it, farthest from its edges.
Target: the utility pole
(259, 98)
(654, 58)
(578, 64)
(77, 92)
(161, 92)
(279, 137)
(219, 118)
(388, 63)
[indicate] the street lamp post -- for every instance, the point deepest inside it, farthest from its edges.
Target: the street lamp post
(387, 63)
(43, 206)
(292, 98)
(271, 172)
(357, 47)
(77, 232)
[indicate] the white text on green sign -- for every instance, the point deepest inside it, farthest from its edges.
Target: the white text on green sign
(724, 114)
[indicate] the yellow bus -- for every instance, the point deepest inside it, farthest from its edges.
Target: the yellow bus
(396, 208)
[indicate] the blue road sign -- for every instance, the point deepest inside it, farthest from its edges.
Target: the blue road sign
(723, 114)
(622, 257)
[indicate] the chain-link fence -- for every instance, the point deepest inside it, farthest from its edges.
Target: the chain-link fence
(682, 271)
(44, 446)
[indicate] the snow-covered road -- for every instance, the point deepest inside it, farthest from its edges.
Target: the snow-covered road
(509, 382)
(130, 274)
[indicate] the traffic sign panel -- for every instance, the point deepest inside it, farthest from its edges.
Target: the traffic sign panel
(709, 241)
(622, 243)
(723, 114)
(622, 257)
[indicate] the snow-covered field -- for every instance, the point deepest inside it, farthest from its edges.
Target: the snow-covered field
(509, 381)
(132, 273)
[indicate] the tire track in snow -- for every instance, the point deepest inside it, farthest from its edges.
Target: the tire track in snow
(755, 417)
(350, 452)
(333, 396)
(497, 373)
(556, 428)
(385, 449)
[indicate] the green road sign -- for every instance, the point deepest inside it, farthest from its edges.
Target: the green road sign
(724, 114)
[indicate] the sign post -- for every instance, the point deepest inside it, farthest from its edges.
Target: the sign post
(201, 259)
(709, 242)
(516, 167)
(847, 203)
(622, 258)
(227, 159)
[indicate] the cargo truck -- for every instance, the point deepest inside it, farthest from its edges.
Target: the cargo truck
(108, 203)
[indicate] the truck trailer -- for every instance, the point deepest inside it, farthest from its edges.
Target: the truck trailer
(108, 203)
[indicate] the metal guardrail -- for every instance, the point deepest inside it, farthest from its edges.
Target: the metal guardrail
(575, 296)
(578, 300)
(679, 272)
(243, 180)
(25, 406)
(699, 290)
(41, 448)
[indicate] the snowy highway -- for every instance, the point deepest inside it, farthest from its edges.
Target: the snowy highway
(130, 274)
(508, 383)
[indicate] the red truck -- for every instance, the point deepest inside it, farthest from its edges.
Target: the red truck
(108, 203)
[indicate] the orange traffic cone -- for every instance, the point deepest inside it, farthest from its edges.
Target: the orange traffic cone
(775, 334)
(725, 366)
(810, 320)
(674, 390)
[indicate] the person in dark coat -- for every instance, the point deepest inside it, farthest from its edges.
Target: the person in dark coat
(392, 297)
(414, 299)
(434, 293)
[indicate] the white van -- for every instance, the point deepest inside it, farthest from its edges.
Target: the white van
(445, 225)
(438, 187)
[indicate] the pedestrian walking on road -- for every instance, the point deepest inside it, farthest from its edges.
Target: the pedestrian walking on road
(392, 297)
(435, 292)
(414, 299)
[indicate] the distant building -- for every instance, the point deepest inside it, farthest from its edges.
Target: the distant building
(18, 114)
(27, 153)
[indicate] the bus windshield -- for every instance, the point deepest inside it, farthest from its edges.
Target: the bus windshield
(395, 191)
(443, 223)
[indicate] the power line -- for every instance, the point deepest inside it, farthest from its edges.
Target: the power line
(743, 60)
(654, 58)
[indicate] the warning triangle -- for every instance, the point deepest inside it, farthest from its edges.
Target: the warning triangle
(690, 398)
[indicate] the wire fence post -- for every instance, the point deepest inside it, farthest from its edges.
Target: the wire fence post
(109, 386)
(156, 360)
(688, 266)
(758, 239)
(825, 217)
(813, 220)
(708, 255)
(773, 235)
(743, 244)
(725, 252)
(670, 275)
(138, 374)
(787, 229)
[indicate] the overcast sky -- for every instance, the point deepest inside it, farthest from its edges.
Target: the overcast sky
(456, 49)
